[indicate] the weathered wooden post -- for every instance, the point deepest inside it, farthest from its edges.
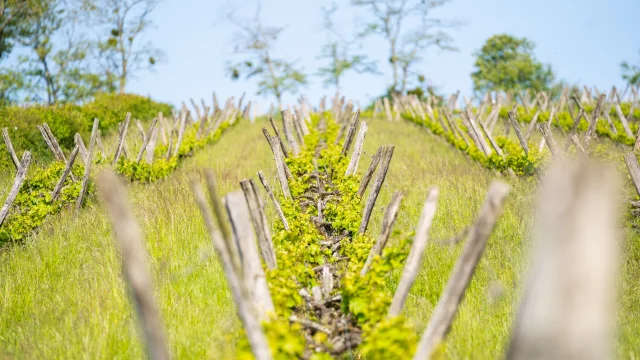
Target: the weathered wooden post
(447, 307)
(134, 263)
(21, 174)
(568, 309)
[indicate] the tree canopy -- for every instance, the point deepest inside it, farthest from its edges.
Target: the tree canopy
(507, 63)
(631, 73)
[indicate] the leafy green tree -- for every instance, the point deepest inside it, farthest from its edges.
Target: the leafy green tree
(14, 23)
(506, 63)
(338, 53)
(11, 82)
(389, 19)
(58, 64)
(254, 42)
(631, 73)
(120, 52)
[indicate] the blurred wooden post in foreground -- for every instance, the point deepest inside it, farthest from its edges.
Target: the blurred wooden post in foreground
(134, 263)
(568, 310)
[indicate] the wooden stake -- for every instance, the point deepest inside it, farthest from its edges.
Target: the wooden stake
(375, 160)
(147, 139)
(390, 216)
(623, 119)
(67, 169)
(77, 139)
(21, 174)
(122, 139)
(516, 127)
(387, 109)
(99, 144)
(221, 218)
(377, 185)
(357, 150)
(285, 152)
(55, 147)
(275, 202)
(414, 260)
(134, 262)
(534, 121)
(47, 140)
(254, 277)
(87, 165)
(9, 145)
(273, 142)
(576, 142)
(151, 146)
(594, 121)
(260, 223)
(288, 132)
(631, 161)
(568, 310)
(183, 125)
(447, 307)
(350, 133)
(545, 129)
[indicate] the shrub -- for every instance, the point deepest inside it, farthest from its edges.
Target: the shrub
(68, 119)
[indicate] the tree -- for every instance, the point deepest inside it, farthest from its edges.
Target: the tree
(11, 82)
(254, 41)
(58, 65)
(121, 53)
(14, 23)
(506, 63)
(337, 51)
(631, 73)
(390, 17)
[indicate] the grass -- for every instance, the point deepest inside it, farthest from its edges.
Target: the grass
(62, 296)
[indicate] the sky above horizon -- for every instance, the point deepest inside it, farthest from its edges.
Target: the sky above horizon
(583, 41)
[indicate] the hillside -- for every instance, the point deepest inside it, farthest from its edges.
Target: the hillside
(63, 295)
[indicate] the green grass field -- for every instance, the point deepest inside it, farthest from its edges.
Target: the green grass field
(62, 294)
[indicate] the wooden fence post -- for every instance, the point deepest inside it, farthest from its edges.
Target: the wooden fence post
(377, 185)
(285, 152)
(545, 129)
(288, 132)
(357, 150)
(21, 174)
(253, 274)
(447, 307)
(594, 121)
(260, 223)
(275, 202)
(568, 309)
(390, 216)
(87, 165)
(350, 133)
(366, 178)
(9, 145)
(516, 127)
(65, 173)
(414, 260)
(134, 262)
(122, 139)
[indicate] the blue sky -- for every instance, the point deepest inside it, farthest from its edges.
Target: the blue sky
(584, 41)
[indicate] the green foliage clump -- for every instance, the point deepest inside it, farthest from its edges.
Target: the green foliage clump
(66, 120)
(34, 203)
(515, 157)
(564, 121)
